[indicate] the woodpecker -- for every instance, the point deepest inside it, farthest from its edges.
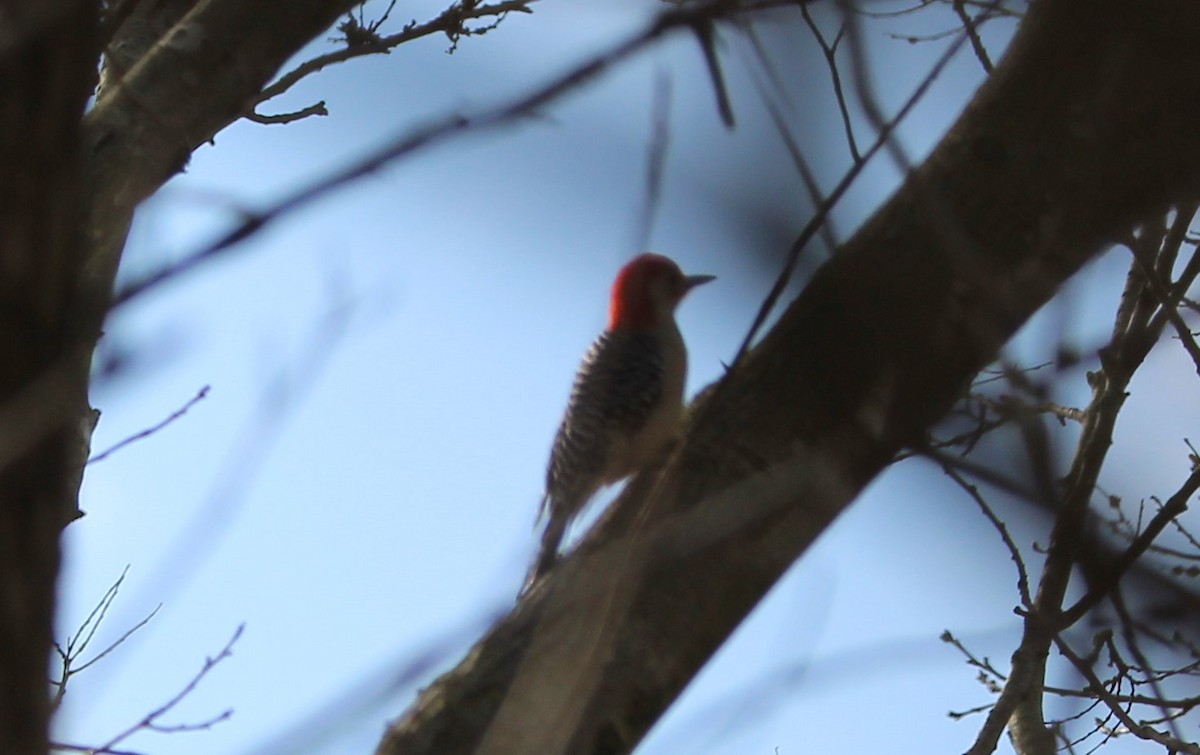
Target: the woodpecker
(626, 406)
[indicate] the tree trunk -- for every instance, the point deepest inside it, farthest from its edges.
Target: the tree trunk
(173, 93)
(47, 56)
(1087, 125)
(67, 195)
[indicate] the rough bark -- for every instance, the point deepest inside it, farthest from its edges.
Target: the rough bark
(172, 93)
(67, 195)
(47, 55)
(1087, 125)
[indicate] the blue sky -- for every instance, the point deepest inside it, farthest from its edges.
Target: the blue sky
(387, 368)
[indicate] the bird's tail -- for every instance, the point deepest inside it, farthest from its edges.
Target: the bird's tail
(556, 526)
(543, 511)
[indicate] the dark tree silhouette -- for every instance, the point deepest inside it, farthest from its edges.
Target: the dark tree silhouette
(1084, 131)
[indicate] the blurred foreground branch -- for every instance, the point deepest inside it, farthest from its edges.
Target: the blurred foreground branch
(1013, 201)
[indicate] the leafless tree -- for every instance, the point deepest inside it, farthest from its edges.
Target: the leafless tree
(1082, 137)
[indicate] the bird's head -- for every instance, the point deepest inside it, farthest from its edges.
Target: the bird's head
(647, 291)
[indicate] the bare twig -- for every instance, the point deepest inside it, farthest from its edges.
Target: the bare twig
(774, 109)
(1116, 707)
(284, 118)
(1167, 301)
(829, 50)
(983, 664)
(149, 722)
(1138, 324)
(1009, 543)
(368, 42)
(385, 680)
(1175, 505)
(814, 224)
(957, 714)
(119, 641)
(1019, 705)
(286, 388)
(200, 396)
(1130, 635)
(706, 35)
(78, 643)
(358, 32)
(982, 472)
(446, 128)
(971, 26)
(89, 749)
(656, 158)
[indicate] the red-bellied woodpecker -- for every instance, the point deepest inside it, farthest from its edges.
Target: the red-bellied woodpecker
(626, 406)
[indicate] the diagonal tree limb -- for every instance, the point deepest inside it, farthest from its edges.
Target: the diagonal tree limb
(192, 81)
(1084, 127)
(412, 141)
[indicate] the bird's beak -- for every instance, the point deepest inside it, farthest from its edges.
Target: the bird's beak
(697, 280)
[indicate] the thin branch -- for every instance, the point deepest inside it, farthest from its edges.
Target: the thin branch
(1175, 505)
(287, 387)
(119, 641)
(1168, 305)
(983, 664)
(1009, 543)
(957, 714)
(1138, 325)
(1183, 703)
(971, 26)
(814, 224)
(284, 118)
(916, 7)
(996, 9)
(89, 749)
(200, 396)
(1097, 687)
(1019, 706)
(78, 643)
(148, 722)
(706, 36)
(774, 109)
(449, 22)
(656, 158)
(1129, 633)
(446, 128)
(982, 472)
(829, 50)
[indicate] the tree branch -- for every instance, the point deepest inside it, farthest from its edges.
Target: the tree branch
(449, 22)
(412, 141)
(1012, 202)
(185, 88)
(47, 65)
